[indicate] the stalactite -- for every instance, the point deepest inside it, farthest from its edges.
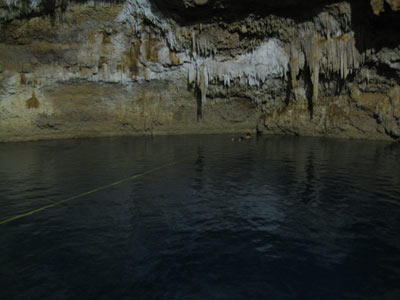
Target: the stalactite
(253, 68)
(193, 44)
(139, 13)
(201, 46)
(134, 57)
(313, 53)
(315, 82)
(296, 63)
(342, 55)
(227, 80)
(331, 55)
(203, 83)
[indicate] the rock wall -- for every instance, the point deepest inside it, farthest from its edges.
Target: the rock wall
(104, 68)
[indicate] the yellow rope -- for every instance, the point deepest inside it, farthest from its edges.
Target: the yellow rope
(86, 193)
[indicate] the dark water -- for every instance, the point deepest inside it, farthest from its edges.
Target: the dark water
(277, 218)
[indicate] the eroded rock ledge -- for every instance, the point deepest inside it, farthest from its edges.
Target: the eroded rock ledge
(81, 68)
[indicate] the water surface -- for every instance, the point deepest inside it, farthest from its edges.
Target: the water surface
(273, 218)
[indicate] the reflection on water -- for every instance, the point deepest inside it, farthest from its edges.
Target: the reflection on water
(273, 218)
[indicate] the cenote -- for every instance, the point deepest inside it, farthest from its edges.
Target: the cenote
(208, 218)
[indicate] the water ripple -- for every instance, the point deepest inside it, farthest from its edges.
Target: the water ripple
(274, 218)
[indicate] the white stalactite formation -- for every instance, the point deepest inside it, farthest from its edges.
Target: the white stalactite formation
(252, 69)
(331, 55)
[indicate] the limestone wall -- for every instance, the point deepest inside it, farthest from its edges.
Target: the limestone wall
(81, 68)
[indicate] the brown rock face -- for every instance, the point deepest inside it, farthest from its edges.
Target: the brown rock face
(76, 69)
(378, 6)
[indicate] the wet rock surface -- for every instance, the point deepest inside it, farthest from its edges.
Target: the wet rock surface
(77, 68)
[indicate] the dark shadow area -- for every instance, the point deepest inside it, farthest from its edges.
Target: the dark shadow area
(199, 112)
(306, 75)
(199, 168)
(384, 70)
(232, 10)
(310, 179)
(288, 89)
(372, 31)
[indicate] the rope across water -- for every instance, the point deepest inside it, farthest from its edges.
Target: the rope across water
(87, 193)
